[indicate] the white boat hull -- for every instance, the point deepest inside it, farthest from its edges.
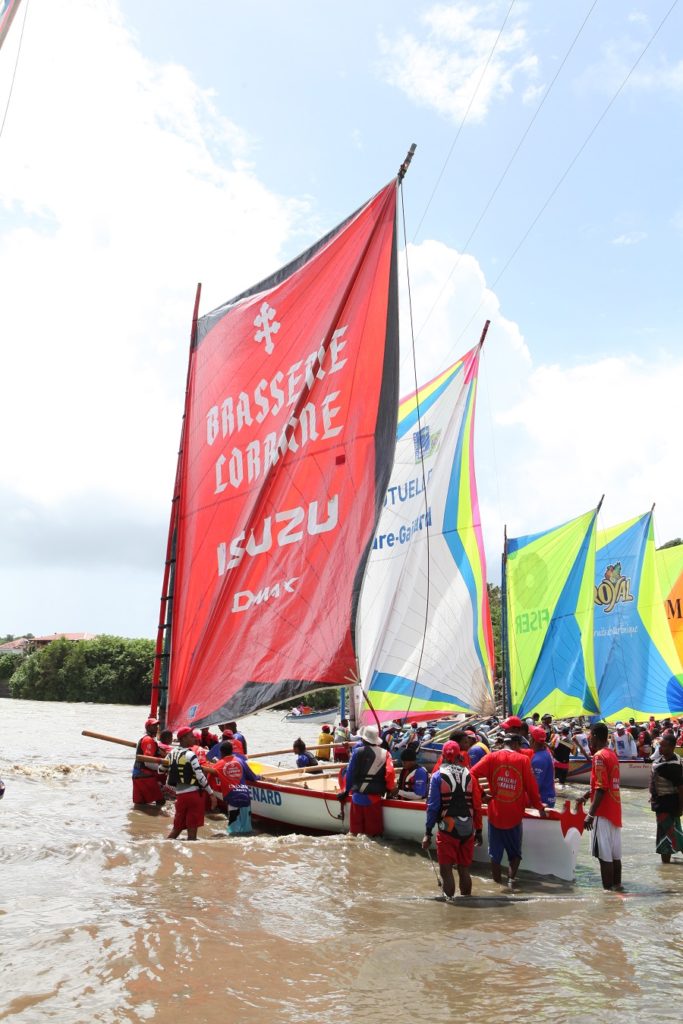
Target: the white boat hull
(313, 716)
(633, 774)
(549, 847)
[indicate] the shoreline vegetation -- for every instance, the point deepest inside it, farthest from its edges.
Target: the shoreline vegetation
(117, 670)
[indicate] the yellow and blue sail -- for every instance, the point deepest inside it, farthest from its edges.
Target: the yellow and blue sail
(638, 668)
(426, 643)
(548, 620)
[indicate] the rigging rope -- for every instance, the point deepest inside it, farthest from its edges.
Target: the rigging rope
(509, 164)
(567, 170)
(464, 119)
(14, 73)
(422, 458)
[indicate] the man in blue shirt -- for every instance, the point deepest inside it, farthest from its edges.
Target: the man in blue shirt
(543, 765)
(413, 782)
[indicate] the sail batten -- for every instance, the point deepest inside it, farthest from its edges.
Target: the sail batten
(290, 428)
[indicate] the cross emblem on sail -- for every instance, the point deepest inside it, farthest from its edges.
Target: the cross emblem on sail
(268, 327)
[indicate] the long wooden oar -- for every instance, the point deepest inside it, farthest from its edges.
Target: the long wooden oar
(311, 770)
(309, 746)
(109, 739)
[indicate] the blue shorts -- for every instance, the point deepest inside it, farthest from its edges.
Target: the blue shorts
(505, 840)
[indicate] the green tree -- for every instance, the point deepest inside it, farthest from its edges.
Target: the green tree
(106, 670)
(495, 603)
(8, 665)
(671, 543)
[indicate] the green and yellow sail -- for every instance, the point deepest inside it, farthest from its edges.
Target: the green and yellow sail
(548, 620)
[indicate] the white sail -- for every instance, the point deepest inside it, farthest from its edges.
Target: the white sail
(424, 638)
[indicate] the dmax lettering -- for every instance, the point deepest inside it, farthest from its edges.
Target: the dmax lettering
(243, 600)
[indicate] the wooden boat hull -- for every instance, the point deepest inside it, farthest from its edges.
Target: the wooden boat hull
(633, 774)
(549, 847)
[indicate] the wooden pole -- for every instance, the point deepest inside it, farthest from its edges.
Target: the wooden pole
(108, 739)
(309, 746)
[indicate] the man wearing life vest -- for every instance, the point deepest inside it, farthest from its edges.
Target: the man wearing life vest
(229, 778)
(510, 781)
(454, 805)
(146, 779)
(185, 775)
(413, 782)
(371, 774)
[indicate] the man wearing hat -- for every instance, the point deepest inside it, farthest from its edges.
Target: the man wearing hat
(622, 743)
(146, 778)
(510, 781)
(454, 806)
(370, 775)
(543, 765)
(516, 726)
(185, 775)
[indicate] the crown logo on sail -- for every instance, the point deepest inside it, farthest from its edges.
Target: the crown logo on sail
(613, 588)
(267, 325)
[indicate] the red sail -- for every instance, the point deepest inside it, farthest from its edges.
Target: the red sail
(287, 449)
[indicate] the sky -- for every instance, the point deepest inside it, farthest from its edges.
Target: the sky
(146, 146)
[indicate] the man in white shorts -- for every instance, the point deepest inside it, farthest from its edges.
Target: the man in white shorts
(604, 815)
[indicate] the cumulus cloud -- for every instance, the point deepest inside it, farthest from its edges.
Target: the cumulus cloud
(550, 439)
(441, 67)
(656, 73)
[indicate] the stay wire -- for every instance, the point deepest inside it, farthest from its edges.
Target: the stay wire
(16, 65)
(422, 458)
(464, 119)
(569, 167)
(509, 164)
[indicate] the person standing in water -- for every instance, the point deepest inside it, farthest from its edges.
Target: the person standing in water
(666, 799)
(185, 775)
(604, 815)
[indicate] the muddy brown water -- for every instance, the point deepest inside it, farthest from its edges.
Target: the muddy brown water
(102, 920)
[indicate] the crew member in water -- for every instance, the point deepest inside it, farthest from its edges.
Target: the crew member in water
(229, 777)
(454, 805)
(147, 781)
(510, 781)
(604, 815)
(186, 776)
(325, 741)
(370, 775)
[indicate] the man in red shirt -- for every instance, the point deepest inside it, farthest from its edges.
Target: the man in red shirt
(511, 781)
(147, 781)
(604, 815)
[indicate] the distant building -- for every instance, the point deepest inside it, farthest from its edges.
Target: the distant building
(42, 641)
(22, 645)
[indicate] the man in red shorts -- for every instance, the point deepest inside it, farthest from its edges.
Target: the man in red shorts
(371, 774)
(185, 775)
(454, 806)
(146, 779)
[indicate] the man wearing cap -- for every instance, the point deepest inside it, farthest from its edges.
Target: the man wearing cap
(604, 815)
(413, 782)
(454, 806)
(185, 775)
(516, 727)
(622, 743)
(510, 781)
(146, 779)
(542, 765)
(370, 775)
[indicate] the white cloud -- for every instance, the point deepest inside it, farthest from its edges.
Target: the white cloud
(629, 238)
(442, 68)
(656, 73)
(122, 185)
(550, 439)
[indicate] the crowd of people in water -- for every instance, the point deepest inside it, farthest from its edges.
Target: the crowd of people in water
(506, 765)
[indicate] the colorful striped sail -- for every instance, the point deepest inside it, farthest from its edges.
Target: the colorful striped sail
(636, 663)
(670, 572)
(548, 609)
(425, 642)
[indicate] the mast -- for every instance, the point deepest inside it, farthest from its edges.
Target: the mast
(7, 17)
(162, 655)
(504, 627)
